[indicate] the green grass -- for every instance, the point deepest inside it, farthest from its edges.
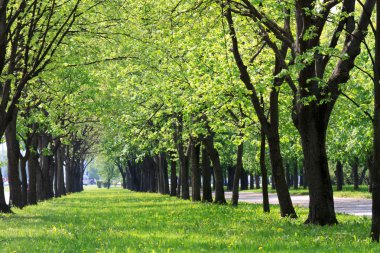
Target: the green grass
(121, 221)
(348, 192)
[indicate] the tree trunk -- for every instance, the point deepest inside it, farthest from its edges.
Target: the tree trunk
(304, 184)
(339, 176)
(218, 175)
(60, 177)
(295, 175)
(370, 169)
(13, 153)
(206, 175)
(55, 182)
(165, 173)
(4, 207)
(161, 183)
(362, 175)
(124, 180)
(313, 135)
(239, 166)
(355, 173)
(24, 181)
(273, 183)
(173, 178)
(264, 174)
(282, 190)
(33, 167)
(183, 160)
(68, 171)
(213, 178)
(257, 180)
(123, 173)
(230, 182)
(375, 173)
(184, 164)
(270, 128)
(243, 179)
(195, 169)
(179, 182)
(287, 173)
(46, 168)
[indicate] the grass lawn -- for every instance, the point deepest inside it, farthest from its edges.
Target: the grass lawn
(100, 220)
(348, 192)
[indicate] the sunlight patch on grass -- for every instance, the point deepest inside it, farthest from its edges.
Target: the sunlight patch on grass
(114, 220)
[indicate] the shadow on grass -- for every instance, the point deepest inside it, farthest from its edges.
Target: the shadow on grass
(115, 221)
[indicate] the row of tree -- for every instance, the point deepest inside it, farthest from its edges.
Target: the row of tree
(49, 142)
(194, 85)
(308, 71)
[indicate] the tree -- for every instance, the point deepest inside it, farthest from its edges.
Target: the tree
(314, 99)
(375, 228)
(109, 172)
(30, 34)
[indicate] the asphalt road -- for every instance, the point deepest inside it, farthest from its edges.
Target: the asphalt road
(354, 206)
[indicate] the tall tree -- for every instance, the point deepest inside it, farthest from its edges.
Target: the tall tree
(375, 175)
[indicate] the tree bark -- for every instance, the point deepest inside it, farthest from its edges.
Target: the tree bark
(257, 180)
(184, 164)
(355, 173)
(46, 168)
(123, 174)
(183, 160)
(195, 169)
(239, 167)
(230, 182)
(218, 175)
(33, 167)
(173, 178)
(295, 175)
(313, 135)
(339, 176)
(281, 186)
(59, 182)
(161, 183)
(362, 175)
(375, 172)
(304, 184)
(13, 152)
(24, 181)
(243, 179)
(206, 176)
(68, 170)
(264, 174)
(370, 170)
(165, 173)
(179, 182)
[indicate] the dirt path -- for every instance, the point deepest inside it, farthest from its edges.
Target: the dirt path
(354, 206)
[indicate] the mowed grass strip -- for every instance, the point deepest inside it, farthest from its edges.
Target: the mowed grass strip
(122, 221)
